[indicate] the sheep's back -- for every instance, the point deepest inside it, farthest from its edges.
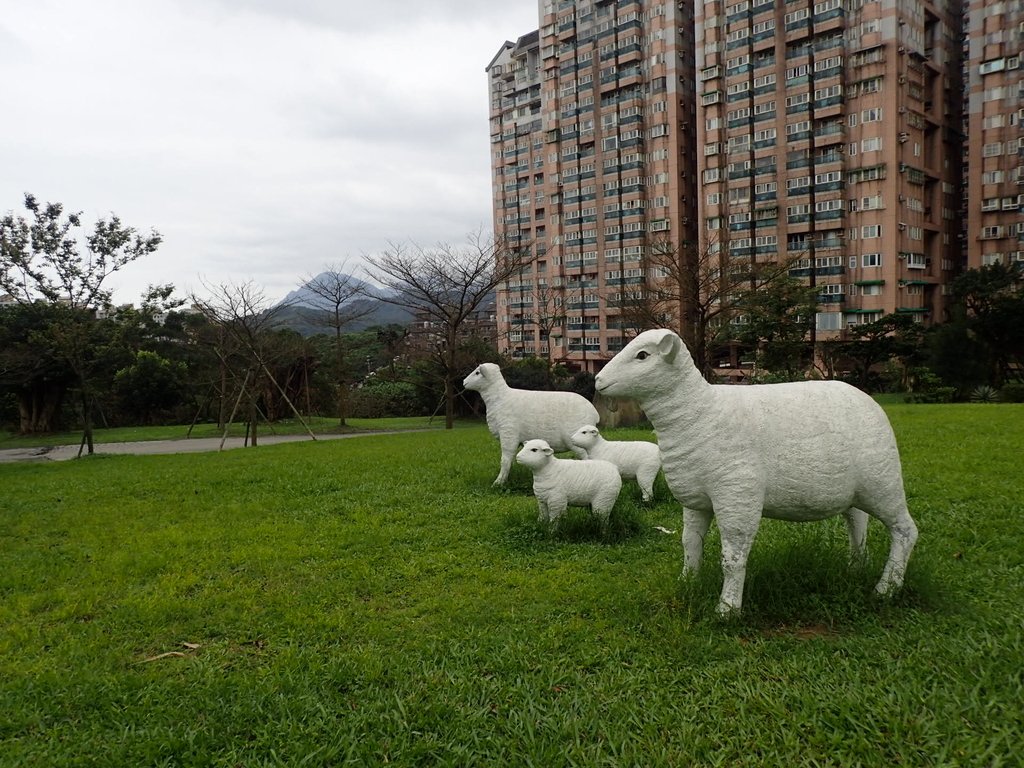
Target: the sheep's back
(550, 416)
(628, 455)
(580, 481)
(811, 446)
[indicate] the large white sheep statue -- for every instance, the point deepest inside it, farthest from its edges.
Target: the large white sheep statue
(517, 415)
(557, 483)
(801, 451)
(636, 459)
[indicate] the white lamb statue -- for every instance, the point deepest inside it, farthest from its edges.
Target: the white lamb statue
(517, 415)
(636, 459)
(801, 451)
(557, 483)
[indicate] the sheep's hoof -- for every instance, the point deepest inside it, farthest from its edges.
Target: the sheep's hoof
(727, 611)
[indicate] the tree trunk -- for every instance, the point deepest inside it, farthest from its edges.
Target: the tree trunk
(449, 385)
(39, 409)
(339, 361)
(87, 423)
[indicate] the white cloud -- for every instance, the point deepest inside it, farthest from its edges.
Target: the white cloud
(262, 139)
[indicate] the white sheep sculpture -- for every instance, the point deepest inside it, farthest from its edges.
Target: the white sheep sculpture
(517, 415)
(557, 483)
(636, 459)
(801, 451)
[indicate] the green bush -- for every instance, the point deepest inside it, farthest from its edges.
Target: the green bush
(1012, 392)
(385, 399)
(984, 394)
(929, 388)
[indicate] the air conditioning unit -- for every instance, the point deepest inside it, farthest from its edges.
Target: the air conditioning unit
(902, 110)
(902, 79)
(903, 137)
(902, 226)
(901, 198)
(901, 50)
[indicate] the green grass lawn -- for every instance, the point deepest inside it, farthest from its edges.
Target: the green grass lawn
(375, 601)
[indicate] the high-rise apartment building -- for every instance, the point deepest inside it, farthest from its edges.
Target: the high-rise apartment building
(870, 148)
(994, 121)
(830, 138)
(592, 133)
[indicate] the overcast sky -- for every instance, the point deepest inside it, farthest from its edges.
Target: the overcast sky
(264, 139)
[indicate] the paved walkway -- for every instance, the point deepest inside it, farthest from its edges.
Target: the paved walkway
(192, 445)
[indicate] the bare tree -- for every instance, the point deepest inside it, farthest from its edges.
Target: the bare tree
(246, 319)
(444, 286)
(336, 294)
(696, 289)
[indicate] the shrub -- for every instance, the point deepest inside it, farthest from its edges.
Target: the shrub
(385, 399)
(929, 388)
(1012, 392)
(984, 394)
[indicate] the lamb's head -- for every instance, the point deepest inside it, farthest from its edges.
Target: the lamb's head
(482, 377)
(651, 363)
(585, 437)
(534, 454)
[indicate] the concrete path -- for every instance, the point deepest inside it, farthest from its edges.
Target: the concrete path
(148, 447)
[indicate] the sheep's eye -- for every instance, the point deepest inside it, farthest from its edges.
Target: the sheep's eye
(641, 355)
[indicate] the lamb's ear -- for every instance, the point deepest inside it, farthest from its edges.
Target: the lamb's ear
(668, 345)
(548, 451)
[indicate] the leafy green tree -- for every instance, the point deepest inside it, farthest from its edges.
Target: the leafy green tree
(892, 337)
(42, 257)
(31, 369)
(777, 317)
(152, 385)
(990, 302)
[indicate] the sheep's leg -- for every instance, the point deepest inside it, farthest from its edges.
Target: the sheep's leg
(544, 514)
(695, 528)
(903, 533)
(857, 530)
(508, 452)
(737, 528)
(556, 508)
(645, 480)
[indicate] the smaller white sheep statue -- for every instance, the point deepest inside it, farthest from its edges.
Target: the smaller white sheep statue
(517, 415)
(636, 459)
(557, 483)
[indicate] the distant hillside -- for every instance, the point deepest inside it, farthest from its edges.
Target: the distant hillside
(299, 310)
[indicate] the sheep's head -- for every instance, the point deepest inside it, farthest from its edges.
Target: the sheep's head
(585, 437)
(649, 364)
(534, 454)
(482, 377)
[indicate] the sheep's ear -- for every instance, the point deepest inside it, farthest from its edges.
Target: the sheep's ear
(548, 451)
(668, 346)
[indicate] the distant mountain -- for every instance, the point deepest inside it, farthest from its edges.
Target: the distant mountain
(304, 296)
(303, 311)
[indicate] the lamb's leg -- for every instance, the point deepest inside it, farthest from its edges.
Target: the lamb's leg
(602, 506)
(903, 533)
(556, 508)
(737, 528)
(543, 513)
(695, 528)
(857, 530)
